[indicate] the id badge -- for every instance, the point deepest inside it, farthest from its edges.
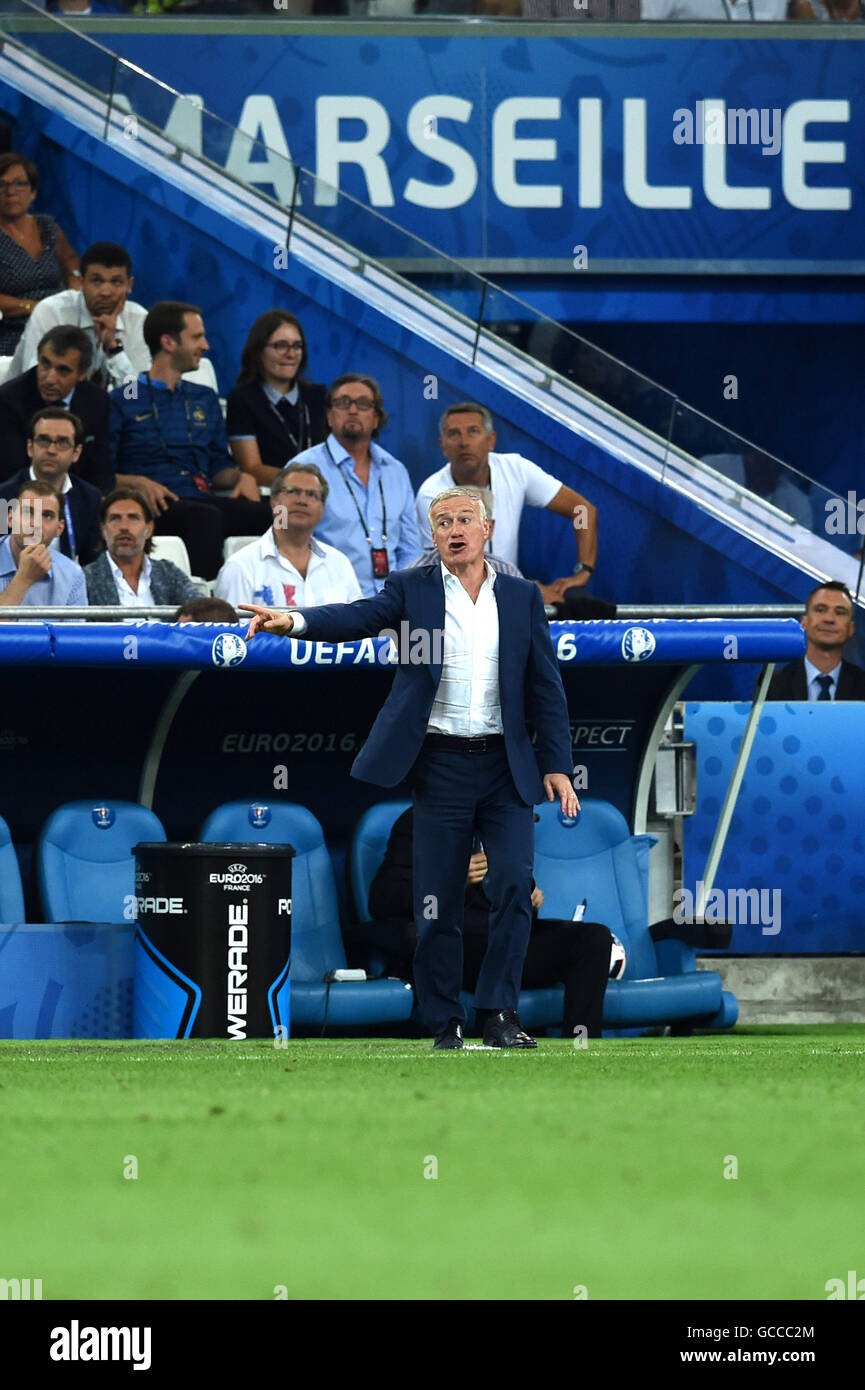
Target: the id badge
(380, 567)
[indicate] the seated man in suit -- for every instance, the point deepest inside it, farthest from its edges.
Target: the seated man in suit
(54, 443)
(575, 954)
(125, 574)
(63, 360)
(821, 674)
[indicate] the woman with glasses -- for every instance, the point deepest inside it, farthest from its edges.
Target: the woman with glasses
(273, 414)
(35, 258)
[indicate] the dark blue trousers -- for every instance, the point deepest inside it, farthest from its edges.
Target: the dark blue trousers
(455, 795)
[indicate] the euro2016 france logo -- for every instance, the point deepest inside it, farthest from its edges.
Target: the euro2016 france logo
(638, 644)
(103, 817)
(228, 650)
(259, 816)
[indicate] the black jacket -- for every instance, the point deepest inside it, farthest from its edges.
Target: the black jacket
(249, 412)
(19, 401)
(83, 500)
(790, 682)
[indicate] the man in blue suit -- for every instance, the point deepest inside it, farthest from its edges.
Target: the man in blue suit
(475, 664)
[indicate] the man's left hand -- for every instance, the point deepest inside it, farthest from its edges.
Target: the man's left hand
(246, 486)
(556, 784)
(537, 899)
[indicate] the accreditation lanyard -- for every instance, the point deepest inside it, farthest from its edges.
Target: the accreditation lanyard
(303, 417)
(195, 474)
(70, 529)
(370, 542)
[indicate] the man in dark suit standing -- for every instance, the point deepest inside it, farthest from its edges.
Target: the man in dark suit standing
(475, 664)
(53, 448)
(58, 379)
(821, 674)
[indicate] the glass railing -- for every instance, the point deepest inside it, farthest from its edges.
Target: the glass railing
(680, 444)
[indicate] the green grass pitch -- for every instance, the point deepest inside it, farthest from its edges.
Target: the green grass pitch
(303, 1167)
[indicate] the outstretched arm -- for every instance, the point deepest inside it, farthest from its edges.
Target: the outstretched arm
(333, 622)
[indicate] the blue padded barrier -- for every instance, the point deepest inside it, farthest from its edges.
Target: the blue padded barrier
(66, 981)
(797, 829)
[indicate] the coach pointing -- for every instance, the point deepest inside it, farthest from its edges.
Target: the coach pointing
(455, 729)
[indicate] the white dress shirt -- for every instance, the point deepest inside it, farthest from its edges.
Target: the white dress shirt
(811, 674)
(70, 306)
(260, 574)
(142, 597)
(467, 703)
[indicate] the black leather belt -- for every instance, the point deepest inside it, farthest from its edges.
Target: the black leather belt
(485, 743)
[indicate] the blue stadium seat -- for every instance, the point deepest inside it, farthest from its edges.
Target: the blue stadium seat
(601, 861)
(85, 860)
(11, 892)
(368, 846)
(316, 938)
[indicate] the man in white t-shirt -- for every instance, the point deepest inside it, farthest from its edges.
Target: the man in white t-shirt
(467, 440)
(288, 567)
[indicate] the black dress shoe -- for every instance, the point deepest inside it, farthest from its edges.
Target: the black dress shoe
(450, 1038)
(505, 1030)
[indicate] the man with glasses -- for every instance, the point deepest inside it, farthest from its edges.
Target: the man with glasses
(54, 443)
(31, 573)
(288, 565)
(371, 513)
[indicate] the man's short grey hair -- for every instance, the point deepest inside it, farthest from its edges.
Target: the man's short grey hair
(466, 408)
(474, 493)
(285, 473)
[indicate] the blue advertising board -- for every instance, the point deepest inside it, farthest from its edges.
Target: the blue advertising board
(537, 152)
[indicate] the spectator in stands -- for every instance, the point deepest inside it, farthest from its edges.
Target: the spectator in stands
(370, 517)
(53, 447)
(168, 438)
(31, 573)
(273, 414)
(821, 674)
(575, 954)
(431, 555)
(125, 573)
(288, 565)
(467, 440)
(205, 610)
(63, 361)
(112, 321)
(35, 258)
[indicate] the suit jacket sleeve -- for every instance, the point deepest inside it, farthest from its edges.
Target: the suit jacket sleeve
(366, 617)
(98, 468)
(546, 704)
